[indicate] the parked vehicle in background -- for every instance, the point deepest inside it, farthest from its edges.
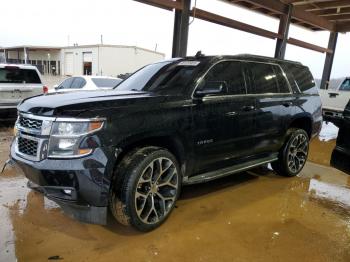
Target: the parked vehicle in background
(341, 154)
(172, 123)
(77, 83)
(334, 102)
(17, 82)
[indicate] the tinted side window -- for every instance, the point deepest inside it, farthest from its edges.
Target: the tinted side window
(283, 86)
(31, 76)
(302, 78)
(229, 72)
(263, 78)
(66, 83)
(78, 82)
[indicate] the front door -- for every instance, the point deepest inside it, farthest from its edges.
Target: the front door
(223, 122)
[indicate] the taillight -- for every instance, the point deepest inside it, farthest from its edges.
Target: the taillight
(45, 89)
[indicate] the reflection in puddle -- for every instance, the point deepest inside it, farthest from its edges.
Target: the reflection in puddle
(339, 195)
(13, 192)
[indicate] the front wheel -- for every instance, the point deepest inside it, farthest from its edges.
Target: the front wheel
(148, 189)
(294, 153)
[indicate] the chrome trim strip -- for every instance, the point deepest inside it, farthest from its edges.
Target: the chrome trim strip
(31, 116)
(70, 157)
(72, 119)
(246, 84)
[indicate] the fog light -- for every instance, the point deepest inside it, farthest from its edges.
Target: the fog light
(67, 191)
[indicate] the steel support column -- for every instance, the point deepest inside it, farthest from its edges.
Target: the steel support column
(283, 30)
(332, 44)
(181, 26)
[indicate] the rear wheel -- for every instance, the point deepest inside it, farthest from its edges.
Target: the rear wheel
(294, 153)
(148, 189)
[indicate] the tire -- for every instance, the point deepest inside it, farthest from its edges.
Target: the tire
(293, 155)
(146, 189)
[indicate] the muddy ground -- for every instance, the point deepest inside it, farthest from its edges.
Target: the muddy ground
(251, 216)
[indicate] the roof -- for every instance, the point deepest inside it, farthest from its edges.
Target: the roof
(250, 57)
(115, 46)
(331, 15)
(58, 48)
(22, 66)
(32, 47)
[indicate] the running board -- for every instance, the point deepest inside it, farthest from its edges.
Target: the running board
(205, 177)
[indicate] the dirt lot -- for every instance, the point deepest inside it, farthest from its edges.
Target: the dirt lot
(252, 216)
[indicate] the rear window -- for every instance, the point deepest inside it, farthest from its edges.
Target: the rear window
(17, 75)
(105, 82)
(302, 78)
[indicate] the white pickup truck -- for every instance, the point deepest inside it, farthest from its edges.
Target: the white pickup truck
(335, 101)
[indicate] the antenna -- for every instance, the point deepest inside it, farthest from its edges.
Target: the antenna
(199, 54)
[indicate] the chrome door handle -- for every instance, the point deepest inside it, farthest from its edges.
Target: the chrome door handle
(248, 108)
(233, 113)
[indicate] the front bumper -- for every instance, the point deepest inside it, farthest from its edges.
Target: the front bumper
(80, 186)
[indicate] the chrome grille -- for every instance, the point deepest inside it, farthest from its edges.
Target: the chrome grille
(30, 123)
(27, 146)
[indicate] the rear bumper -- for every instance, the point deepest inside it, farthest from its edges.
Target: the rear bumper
(79, 186)
(332, 116)
(8, 113)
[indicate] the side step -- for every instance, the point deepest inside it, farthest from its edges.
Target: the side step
(205, 177)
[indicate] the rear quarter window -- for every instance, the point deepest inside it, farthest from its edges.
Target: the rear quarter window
(301, 77)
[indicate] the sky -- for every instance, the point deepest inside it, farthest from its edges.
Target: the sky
(127, 22)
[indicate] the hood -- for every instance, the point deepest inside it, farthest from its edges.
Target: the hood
(75, 102)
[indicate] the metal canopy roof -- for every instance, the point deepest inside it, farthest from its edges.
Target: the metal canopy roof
(331, 15)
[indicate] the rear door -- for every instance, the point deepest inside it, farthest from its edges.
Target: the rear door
(223, 123)
(274, 104)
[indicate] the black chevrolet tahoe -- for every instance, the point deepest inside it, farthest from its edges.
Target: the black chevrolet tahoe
(173, 123)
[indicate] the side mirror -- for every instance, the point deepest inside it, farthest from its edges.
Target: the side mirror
(56, 87)
(211, 88)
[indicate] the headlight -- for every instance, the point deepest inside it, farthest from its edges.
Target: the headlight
(66, 137)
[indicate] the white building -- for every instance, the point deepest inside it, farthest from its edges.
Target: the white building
(110, 60)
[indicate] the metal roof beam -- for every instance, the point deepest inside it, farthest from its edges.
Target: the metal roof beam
(221, 20)
(306, 45)
(298, 13)
(165, 4)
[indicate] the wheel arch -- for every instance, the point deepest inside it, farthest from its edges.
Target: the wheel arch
(172, 142)
(303, 122)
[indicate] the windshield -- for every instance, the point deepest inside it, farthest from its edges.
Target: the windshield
(345, 85)
(165, 77)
